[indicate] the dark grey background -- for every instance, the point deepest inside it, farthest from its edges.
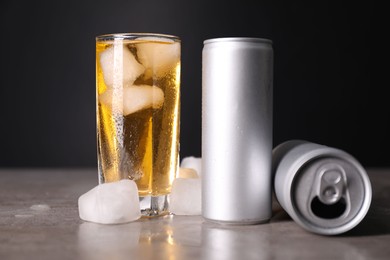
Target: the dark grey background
(328, 86)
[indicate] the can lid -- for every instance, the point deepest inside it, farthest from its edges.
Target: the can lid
(238, 39)
(331, 195)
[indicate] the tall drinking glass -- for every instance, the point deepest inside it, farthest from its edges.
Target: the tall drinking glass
(138, 113)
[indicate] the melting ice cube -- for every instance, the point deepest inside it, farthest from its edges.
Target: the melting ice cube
(119, 66)
(186, 197)
(193, 163)
(187, 173)
(111, 203)
(159, 57)
(134, 98)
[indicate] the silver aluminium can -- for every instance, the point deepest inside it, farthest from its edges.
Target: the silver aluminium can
(324, 189)
(237, 92)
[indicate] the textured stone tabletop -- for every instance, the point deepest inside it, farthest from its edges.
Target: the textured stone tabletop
(39, 220)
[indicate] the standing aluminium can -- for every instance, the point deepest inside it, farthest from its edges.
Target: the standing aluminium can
(237, 92)
(324, 189)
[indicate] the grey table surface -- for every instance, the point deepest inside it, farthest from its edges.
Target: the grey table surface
(28, 231)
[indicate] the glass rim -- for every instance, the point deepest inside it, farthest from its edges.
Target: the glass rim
(136, 36)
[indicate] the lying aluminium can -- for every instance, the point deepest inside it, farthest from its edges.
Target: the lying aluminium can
(237, 130)
(325, 190)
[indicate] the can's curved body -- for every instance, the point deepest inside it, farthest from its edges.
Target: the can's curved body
(237, 93)
(324, 189)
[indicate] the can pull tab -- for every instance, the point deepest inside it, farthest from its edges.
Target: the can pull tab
(330, 197)
(332, 185)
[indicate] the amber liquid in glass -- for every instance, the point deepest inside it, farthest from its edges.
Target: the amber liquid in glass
(138, 113)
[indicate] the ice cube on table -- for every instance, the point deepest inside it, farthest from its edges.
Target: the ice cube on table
(111, 203)
(186, 197)
(187, 173)
(119, 66)
(158, 57)
(134, 98)
(193, 163)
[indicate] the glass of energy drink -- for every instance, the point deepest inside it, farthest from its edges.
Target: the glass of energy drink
(138, 113)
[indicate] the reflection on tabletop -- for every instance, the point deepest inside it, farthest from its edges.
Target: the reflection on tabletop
(190, 237)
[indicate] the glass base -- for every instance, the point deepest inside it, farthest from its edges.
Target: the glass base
(154, 206)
